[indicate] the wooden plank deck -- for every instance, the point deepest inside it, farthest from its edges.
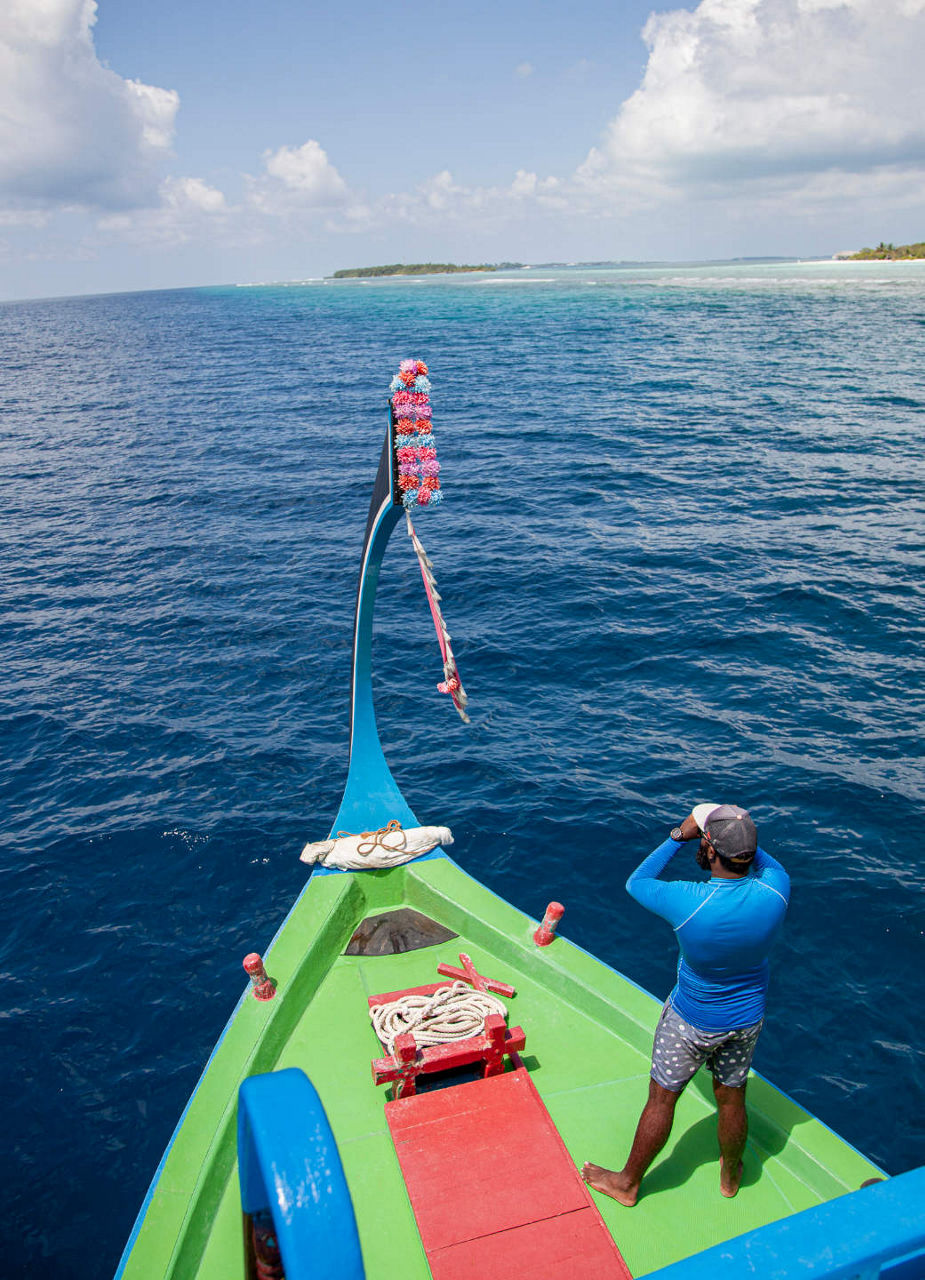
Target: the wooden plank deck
(494, 1191)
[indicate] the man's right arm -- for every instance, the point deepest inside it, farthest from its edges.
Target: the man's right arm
(670, 899)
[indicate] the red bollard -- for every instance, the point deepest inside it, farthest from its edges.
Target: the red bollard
(547, 931)
(263, 988)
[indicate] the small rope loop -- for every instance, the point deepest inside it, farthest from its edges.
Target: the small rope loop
(452, 1013)
(370, 839)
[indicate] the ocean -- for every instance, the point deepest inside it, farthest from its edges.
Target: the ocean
(681, 555)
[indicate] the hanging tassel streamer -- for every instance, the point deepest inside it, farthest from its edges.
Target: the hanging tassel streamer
(451, 682)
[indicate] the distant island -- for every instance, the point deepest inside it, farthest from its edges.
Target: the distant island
(449, 268)
(420, 269)
(887, 252)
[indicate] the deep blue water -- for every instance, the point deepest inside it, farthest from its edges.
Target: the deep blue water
(681, 555)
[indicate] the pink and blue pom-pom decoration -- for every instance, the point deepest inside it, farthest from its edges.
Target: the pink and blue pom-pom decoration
(416, 454)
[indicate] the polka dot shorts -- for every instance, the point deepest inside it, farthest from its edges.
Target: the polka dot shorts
(679, 1050)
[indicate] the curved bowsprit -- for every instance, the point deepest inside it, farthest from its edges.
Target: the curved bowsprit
(408, 479)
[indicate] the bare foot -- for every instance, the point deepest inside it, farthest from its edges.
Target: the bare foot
(729, 1186)
(613, 1184)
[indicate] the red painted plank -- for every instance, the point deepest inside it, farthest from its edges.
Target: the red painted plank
(574, 1246)
(483, 1162)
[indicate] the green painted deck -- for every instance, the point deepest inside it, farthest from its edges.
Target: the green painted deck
(589, 1034)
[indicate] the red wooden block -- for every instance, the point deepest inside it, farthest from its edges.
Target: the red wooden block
(408, 1062)
(406, 1067)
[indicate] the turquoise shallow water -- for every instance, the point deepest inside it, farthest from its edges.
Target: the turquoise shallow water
(681, 556)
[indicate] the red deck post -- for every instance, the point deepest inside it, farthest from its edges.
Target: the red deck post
(494, 1034)
(406, 1052)
(263, 986)
(404, 1066)
(547, 931)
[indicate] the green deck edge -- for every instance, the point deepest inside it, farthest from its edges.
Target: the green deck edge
(192, 1223)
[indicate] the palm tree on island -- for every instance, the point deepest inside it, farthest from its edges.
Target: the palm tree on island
(887, 252)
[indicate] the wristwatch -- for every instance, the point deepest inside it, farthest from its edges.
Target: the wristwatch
(675, 834)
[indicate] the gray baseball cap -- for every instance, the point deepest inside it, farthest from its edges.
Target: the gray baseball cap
(731, 831)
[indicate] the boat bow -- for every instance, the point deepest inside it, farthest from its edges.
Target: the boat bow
(372, 797)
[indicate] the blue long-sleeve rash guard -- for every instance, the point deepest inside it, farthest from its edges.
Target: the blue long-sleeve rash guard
(725, 929)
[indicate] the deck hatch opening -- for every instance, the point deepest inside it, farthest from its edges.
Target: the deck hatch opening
(392, 932)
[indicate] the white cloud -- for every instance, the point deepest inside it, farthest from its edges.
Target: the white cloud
(298, 179)
(440, 193)
(72, 132)
(441, 200)
(187, 208)
(524, 183)
(527, 186)
(193, 195)
(156, 109)
(24, 218)
(760, 90)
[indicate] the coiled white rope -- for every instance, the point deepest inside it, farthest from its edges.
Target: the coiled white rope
(451, 1013)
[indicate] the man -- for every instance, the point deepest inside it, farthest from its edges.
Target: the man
(725, 929)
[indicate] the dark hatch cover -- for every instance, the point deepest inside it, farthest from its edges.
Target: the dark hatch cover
(392, 932)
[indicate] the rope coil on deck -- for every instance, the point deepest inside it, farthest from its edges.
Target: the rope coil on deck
(451, 1013)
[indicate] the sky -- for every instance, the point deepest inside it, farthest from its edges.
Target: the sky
(187, 142)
